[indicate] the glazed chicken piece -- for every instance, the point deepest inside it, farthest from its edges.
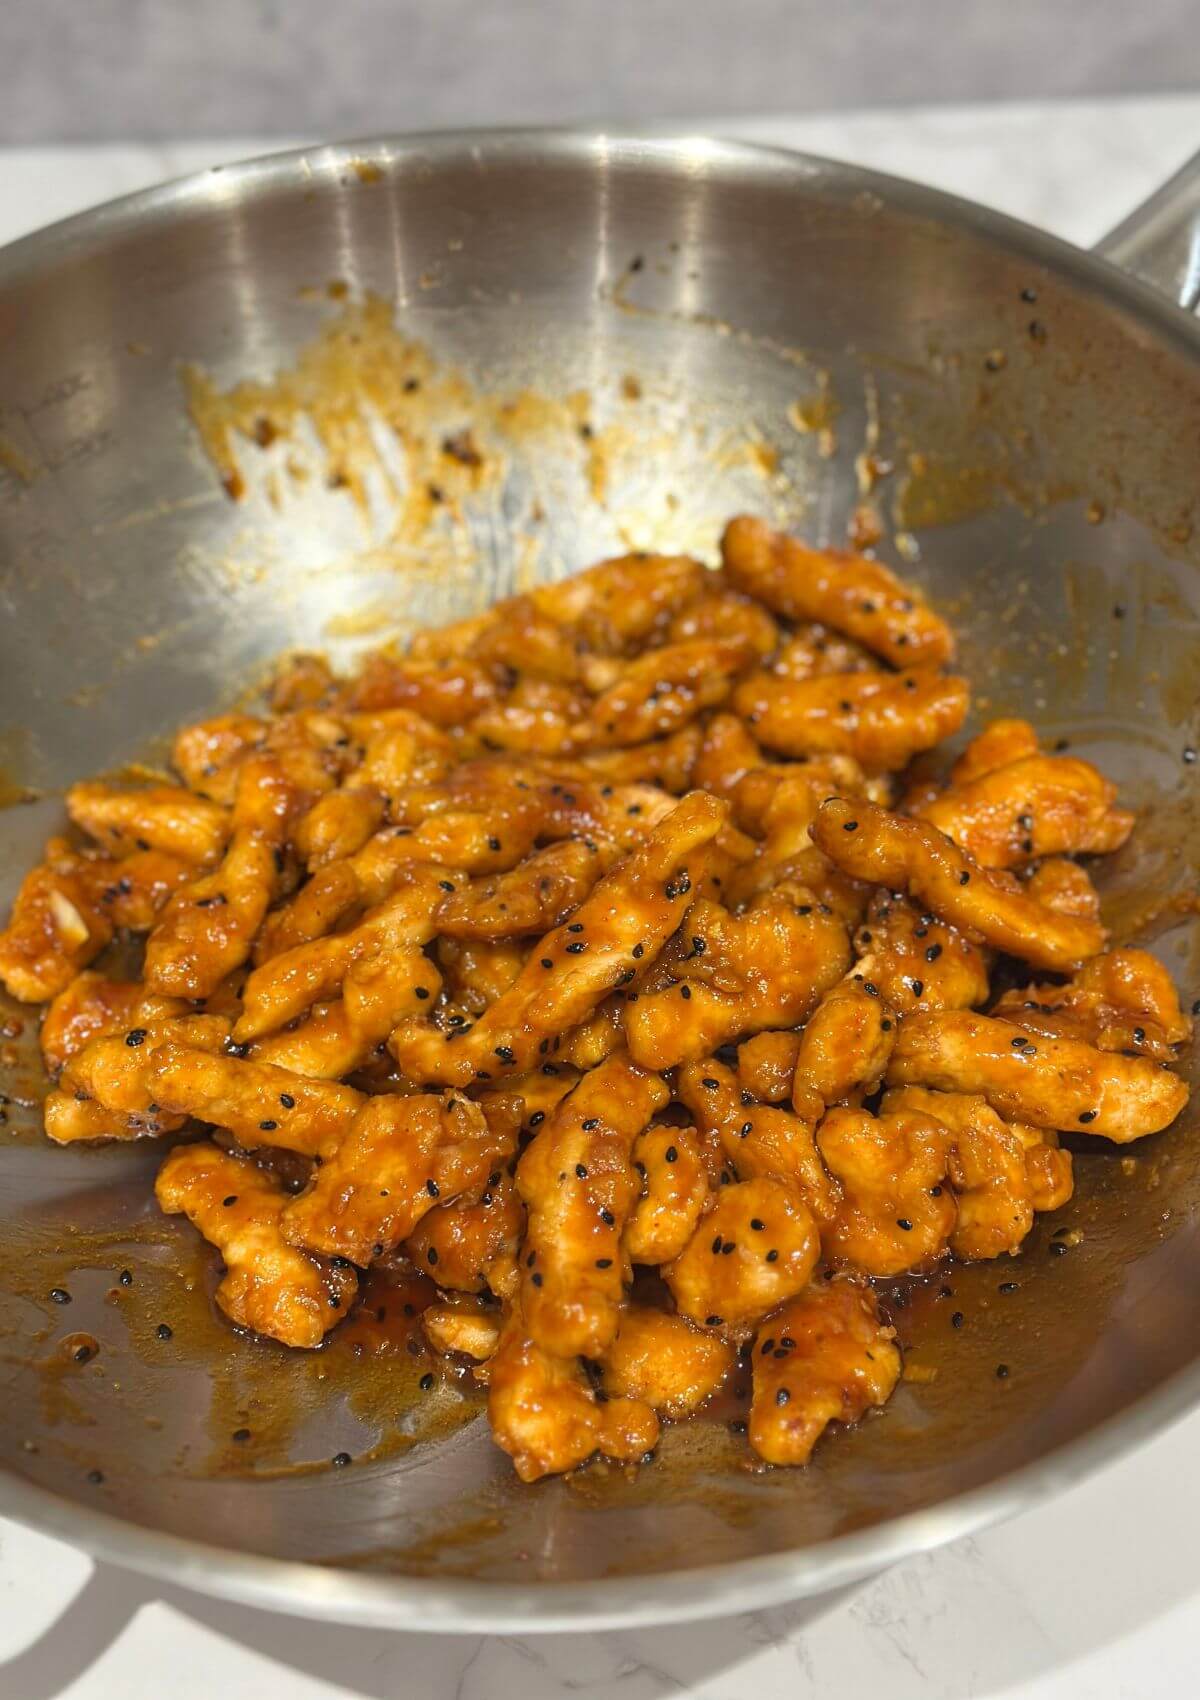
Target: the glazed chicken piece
(626, 920)
(543, 1413)
(665, 1363)
(208, 927)
(917, 962)
(722, 614)
(88, 1008)
(539, 1093)
(268, 1285)
(338, 825)
(619, 605)
(57, 926)
(758, 1140)
(1011, 809)
(727, 753)
(665, 761)
(825, 1357)
(665, 688)
(994, 1183)
(743, 973)
(537, 717)
(398, 1157)
(474, 1241)
(889, 850)
(281, 990)
(208, 754)
(756, 1248)
(675, 1193)
(845, 1047)
(579, 1186)
(766, 1066)
(1063, 885)
(1122, 1001)
(447, 692)
(513, 634)
(257, 1103)
(895, 1213)
(848, 592)
(479, 971)
(881, 719)
(155, 817)
(1063, 1084)
(537, 895)
(399, 748)
(471, 1329)
(781, 811)
(813, 650)
(106, 1090)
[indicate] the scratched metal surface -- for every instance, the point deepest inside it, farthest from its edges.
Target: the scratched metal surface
(1048, 485)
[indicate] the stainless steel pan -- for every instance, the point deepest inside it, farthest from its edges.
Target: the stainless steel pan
(739, 329)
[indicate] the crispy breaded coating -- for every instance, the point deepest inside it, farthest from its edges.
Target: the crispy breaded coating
(106, 1091)
(916, 961)
(665, 688)
(153, 817)
(813, 651)
(765, 968)
(268, 1285)
(1123, 1000)
(881, 719)
(889, 850)
(766, 1066)
(664, 761)
(755, 1249)
(478, 971)
(845, 1046)
(848, 592)
(579, 1186)
(258, 1104)
(538, 717)
(665, 1362)
(90, 1006)
(675, 1193)
(474, 1241)
(543, 1413)
(1054, 1083)
(895, 1212)
(825, 1357)
(757, 1139)
(1034, 806)
(392, 1164)
(626, 920)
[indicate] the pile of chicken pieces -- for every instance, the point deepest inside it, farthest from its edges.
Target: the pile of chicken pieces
(596, 958)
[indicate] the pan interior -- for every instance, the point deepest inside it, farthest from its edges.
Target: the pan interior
(642, 339)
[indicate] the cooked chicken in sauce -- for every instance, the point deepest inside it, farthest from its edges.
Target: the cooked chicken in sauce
(599, 963)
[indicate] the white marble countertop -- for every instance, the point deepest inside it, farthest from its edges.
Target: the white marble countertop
(1093, 1597)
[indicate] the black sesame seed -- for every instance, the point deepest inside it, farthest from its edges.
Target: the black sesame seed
(493, 844)
(446, 885)
(431, 1254)
(670, 1154)
(607, 1217)
(136, 1036)
(576, 949)
(604, 1263)
(268, 1126)
(1007, 1287)
(903, 1222)
(126, 1277)
(82, 1354)
(286, 1099)
(685, 993)
(505, 1053)
(581, 1171)
(638, 951)
(574, 926)
(432, 1188)
(712, 1321)
(1001, 1372)
(241, 1435)
(426, 1382)
(964, 878)
(1057, 1248)
(590, 1123)
(164, 1330)
(421, 992)
(547, 962)
(537, 1118)
(709, 1083)
(849, 826)
(956, 1320)
(772, 1256)
(536, 1277)
(730, 1245)
(341, 1459)
(738, 1426)
(746, 1129)
(1088, 1115)
(885, 1026)
(933, 952)
(60, 1295)
(918, 986)
(95, 1477)
(230, 1200)
(782, 1396)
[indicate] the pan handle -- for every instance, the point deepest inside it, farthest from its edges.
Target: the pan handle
(1159, 241)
